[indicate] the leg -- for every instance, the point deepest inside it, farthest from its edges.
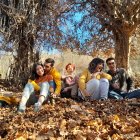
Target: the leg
(103, 88)
(114, 95)
(28, 90)
(44, 93)
(92, 87)
(74, 90)
(133, 94)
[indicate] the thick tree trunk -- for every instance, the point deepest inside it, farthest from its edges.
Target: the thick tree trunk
(21, 64)
(122, 50)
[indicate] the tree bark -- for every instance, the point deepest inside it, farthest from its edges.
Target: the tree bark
(122, 49)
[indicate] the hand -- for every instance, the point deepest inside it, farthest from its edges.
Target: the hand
(55, 95)
(131, 90)
(63, 77)
(86, 94)
(116, 86)
(94, 75)
(70, 81)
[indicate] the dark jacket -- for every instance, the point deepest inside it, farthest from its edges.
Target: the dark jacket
(122, 78)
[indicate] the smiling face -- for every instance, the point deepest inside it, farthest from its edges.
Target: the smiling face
(99, 67)
(111, 65)
(69, 68)
(47, 67)
(39, 70)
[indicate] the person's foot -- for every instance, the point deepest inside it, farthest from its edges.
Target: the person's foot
(102, 99)
(21, 109)
(37, 106)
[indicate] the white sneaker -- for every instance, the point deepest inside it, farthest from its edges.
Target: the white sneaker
(37, 106)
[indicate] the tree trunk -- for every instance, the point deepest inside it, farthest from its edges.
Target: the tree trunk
(122, 49)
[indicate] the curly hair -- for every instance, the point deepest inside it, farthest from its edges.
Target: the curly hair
(70, 64)
(34, 75)
(93, 64)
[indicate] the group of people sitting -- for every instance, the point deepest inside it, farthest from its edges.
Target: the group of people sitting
(92, 84)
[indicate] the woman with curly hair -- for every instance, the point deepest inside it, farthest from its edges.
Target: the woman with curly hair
(93, 83)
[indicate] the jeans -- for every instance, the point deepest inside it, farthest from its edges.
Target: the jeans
(98, 89)
(133, 94)
(128, 95)
(29, 94)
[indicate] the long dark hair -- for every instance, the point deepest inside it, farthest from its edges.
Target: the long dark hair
(34, 75)
(93, 64)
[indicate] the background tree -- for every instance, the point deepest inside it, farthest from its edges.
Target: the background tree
(110, 23)
(25, 27)
(84, 26)
(122, 18)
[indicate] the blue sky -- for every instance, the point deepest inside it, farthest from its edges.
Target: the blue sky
(68, 28)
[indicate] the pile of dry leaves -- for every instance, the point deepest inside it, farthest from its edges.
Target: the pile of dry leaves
(67, 119)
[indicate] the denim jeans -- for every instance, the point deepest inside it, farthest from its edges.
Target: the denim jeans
(133, 94)
(98, 89)
(128, 95)
(29, 94)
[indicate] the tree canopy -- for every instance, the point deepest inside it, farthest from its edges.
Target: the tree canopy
(83, 26)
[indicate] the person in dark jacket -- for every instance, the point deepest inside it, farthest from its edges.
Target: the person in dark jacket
(121, 85)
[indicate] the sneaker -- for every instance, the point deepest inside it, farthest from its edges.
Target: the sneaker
(21, 109)
(102, 99)
(37, 107)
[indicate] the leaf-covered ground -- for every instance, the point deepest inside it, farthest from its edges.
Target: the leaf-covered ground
(70, 120)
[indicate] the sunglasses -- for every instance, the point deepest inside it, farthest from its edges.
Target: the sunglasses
(112, 63)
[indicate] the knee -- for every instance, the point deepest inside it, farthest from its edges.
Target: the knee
(28, 89)
(45, 85)
(104, 80)
(29, 85)
(26, 95)
(104, 83)
(94, 82)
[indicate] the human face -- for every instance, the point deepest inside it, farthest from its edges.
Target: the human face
(39, 70)
(70, 69)
(111, 65)
(47, 67)
(99, 68)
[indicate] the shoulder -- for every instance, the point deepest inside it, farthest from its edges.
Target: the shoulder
(49, 76)
(55, 70)
(105, 75)
(55, 74)
(121, 70)
(84, 73)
